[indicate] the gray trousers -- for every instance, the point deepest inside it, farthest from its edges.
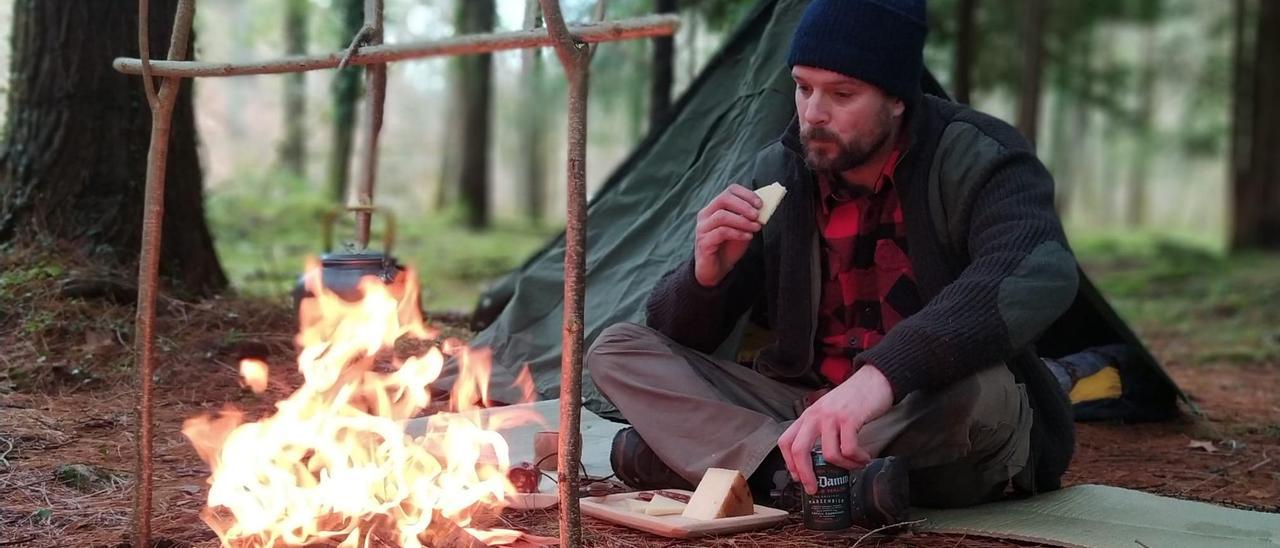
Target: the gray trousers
(962, 443)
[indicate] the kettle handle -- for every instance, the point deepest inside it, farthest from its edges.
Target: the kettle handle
(330, 217)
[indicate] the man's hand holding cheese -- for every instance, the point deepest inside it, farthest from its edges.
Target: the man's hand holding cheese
(724, 230)
(902, 268)
(726, 226)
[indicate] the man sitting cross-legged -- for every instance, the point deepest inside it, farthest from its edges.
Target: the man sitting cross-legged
(914, 258)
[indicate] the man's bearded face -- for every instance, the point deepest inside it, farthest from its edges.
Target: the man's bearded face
(824, 150)
(843, 121)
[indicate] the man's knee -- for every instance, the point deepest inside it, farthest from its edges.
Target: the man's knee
(622, 335)
(609, 355)
(978, 414)
(983, 401)
(985, 420)
(998, 431)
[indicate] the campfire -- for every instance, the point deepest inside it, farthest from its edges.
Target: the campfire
(333, 465)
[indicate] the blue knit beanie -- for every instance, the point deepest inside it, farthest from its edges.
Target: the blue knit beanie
(880, 42)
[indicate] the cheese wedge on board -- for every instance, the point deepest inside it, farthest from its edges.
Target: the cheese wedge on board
(721, 494)
(771, 196)
(663, 506)
(635, 505)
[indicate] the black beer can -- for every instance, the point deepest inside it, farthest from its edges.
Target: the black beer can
(828, 509)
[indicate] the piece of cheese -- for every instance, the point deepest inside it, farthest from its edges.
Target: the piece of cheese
(635, 505)
(721, 494)
(663, 506)
(771, 196)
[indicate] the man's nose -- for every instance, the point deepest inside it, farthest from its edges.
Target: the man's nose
(815, 112)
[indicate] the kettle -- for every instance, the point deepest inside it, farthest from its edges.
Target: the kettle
(341, 272)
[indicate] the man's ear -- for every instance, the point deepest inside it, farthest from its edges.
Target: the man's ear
(898, 107)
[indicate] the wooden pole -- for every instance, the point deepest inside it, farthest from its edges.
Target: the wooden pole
(575, 57)
(376, 84)
(626, 29)
(149, 267)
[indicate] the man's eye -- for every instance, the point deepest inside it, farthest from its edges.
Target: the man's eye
(805, 89)
(843, 95)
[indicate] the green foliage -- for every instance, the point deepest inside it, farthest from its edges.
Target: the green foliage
(1223, 308)
(266, 225)
(720, 15)
(13, 280)
(41, 516)
(1114, 69)
(37, 322)
(86, 478)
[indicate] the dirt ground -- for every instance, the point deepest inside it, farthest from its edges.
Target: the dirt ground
(70, 401)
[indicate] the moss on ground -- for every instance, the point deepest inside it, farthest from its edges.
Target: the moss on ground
(1217, 307)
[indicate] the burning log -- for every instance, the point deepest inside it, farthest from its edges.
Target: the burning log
(449, 535)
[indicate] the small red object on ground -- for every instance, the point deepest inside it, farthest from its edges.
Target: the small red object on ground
(524, 477)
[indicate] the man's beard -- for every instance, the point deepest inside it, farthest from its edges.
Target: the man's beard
(849, 154)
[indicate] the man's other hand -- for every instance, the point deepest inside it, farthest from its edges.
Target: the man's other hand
(724, 230)
(835, 420)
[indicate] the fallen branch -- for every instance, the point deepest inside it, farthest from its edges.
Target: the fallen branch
(885, 528)
(1265, 460)
(1216, 475)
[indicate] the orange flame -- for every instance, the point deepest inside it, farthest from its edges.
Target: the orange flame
(333, 462)
(255, 374)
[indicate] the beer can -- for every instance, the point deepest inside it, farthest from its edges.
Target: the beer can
(828, 509)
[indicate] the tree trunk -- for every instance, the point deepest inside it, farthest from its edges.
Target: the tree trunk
(1075, 182)
(1240, 59)
(962, 68)
(346, 92)
(663, 70)
(472, 103)
(1256, 193)
(1032, 30)
(1137, 201)
(691, 41)
(1061, 158)
(533, 149)
(240, 91)
(1070, 117)
(293, 151)
(74, 157)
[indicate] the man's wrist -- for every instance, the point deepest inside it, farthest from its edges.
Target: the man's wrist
(873, 385)
(705, 279)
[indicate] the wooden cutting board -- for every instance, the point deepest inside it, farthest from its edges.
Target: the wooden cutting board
(613, 509)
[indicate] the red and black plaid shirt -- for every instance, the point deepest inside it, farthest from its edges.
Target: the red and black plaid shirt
(868, 285)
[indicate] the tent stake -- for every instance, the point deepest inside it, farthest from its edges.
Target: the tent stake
(149, 268)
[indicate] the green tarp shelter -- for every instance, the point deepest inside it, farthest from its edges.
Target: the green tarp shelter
(641, 222)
